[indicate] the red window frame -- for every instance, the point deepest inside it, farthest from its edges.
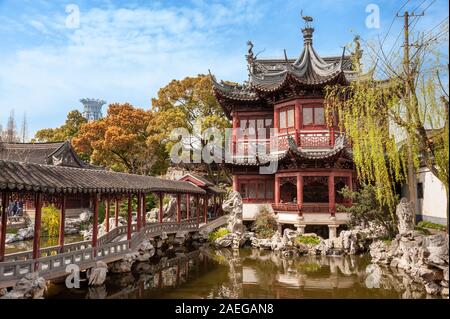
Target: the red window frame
(255, 184)
(256, 119)
(286, 110)
(313, 106)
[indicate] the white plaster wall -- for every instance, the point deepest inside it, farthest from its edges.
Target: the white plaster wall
(434, 202)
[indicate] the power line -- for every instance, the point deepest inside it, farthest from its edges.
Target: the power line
(418, 6)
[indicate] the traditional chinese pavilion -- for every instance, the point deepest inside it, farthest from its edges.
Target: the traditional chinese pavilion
(281, 108)
(51, 153)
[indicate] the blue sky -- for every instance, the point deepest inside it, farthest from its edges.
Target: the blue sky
(124, 51)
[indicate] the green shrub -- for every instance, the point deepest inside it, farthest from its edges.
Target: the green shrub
(386, 240)
(430, 225)
(366, 208)
(50, 220)
(218, 233)
(265, 224)
(102, 212)
(423, 230)
(308, 240)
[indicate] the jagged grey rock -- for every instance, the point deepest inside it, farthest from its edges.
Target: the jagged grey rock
(30, 286)
(97, 274)
(124, 265)
(233, 206)
(145, 251)
(405, 214)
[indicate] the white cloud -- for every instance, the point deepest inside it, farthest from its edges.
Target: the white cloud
(120, 55)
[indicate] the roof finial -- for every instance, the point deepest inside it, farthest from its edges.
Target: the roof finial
(308, 29)
(307, 19)
(250, 56)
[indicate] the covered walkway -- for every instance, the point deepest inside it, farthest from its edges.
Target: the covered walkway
(47, 184)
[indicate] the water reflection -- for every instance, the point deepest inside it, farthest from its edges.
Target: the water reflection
(26, 245)
(249, 273)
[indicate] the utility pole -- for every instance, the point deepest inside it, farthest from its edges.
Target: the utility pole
(409, 81)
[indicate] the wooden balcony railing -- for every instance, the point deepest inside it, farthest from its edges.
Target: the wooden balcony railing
(302, 138)
(301, 209)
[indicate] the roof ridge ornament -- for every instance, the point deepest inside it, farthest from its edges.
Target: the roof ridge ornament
(307, 19)
(307, 30)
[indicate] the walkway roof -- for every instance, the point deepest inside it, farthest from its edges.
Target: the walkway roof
(19, 176)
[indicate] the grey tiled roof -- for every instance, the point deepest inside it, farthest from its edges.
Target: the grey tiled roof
(18, 176)
(209, 186)
(51, 153)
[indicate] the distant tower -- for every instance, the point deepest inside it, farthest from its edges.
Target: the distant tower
(92, 109)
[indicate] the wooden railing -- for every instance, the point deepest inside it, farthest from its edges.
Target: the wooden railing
(304, 208)
(280, 142)
(83, 254)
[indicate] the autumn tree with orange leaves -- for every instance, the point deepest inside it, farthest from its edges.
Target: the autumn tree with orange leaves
(119, 140)
(188, 103)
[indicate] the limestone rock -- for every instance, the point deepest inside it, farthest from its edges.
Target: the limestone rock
(380, 252)
(233, 205)
(405, 214)
(85, 216)
(170, 210)
(97, 274)
(97, 292)
(181, 237)
(152, 215)
(145, 251)
(31, 286)
(289, 236)
(22, 234)
(432, 288)
(124, 265)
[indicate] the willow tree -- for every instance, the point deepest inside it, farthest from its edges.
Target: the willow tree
(363, 110)
(395, 124)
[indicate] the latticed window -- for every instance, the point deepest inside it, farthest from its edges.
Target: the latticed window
(286, 119)
(256, 189)
(313, 116)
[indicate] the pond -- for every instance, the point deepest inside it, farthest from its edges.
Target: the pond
(247, 273)
(26, 245)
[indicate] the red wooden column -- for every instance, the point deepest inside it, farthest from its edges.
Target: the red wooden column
(62, 223)
(138, 212)
(214, 206)
(129, 217)
(331, 198)
(235, 183)
(178, 207)
(197, 207)
(299, 190)
(297, 122)
(205, 208)
(277, 189)
(234, 137)
(107, 204)
(5, 200)
(37, 227)
(95, 222)
(188, 206)
(161, 208)
(144, 211)
(116, 212)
